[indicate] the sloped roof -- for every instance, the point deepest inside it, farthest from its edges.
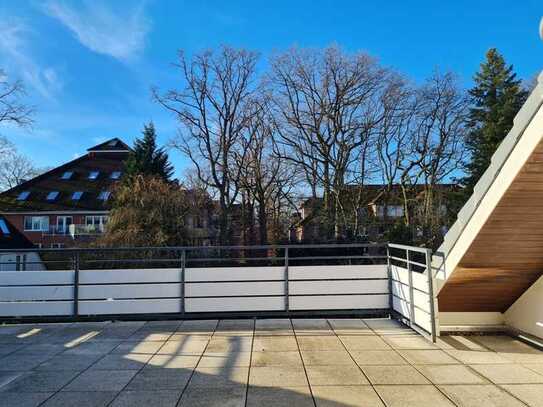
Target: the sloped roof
(11, 238)
(112, 145)
(105, 162)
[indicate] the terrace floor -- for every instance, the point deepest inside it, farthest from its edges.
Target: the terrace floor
(273, 362)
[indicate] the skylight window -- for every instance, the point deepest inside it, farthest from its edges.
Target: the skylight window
(104, 195)
(51, 196)
(94, 174)
(76, 196)
(115, 175)
(4, 227)
(23, 196)
(67, 175)
(112, 143)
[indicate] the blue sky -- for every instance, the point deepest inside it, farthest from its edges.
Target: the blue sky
(88, 66)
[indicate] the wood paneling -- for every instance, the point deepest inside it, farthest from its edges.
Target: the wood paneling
(506, 257)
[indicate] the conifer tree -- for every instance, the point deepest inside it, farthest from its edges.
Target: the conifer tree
(147, 159)
(496, 97)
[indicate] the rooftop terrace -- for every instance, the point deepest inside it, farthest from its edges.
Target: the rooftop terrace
(262, 362)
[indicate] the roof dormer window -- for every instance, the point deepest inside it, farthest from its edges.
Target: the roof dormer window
(67, 175)
(23, 196)
(115, 175)
(51, 196)
(76, 196)
(104, 195)
(94, 175)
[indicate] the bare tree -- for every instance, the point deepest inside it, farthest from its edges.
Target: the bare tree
(212, 109)
(12, 109)
(326, 101)
(14, 167)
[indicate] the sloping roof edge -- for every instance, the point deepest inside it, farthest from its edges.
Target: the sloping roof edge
(521, 122)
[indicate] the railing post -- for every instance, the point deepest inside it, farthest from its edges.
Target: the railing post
(183, 266)
(411, 296)
(76, 283)
(431, 298)
(389, 274)
(287, 303)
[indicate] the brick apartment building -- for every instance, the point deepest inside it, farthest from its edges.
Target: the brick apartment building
(67, 205)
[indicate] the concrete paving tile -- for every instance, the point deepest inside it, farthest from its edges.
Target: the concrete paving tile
(312, 327)
(219, 377)
(139, 347)
(279, 396)
(157, 398)
(230, 344)
(92, 348)
(352, 342)
(315, 343)
(327, 358)
(232, 396)
(335, 375)
(225, 359)
(101, 380)
(377, 357)
(51, 349)
(276, 359)
(22, 362)
(69, 362)
(344, 396)
(40, 381)
(271, 376)
(459, 342)
(237, 327)
(7, 349)
(536, 367)
(132, 361)
(273, 327)
(202, 327)
(486, 395)
(166, 324)
(159, 379)
(523, 358)
(81, 399)
(8, 377)
(385, 326)
(151, 335)
(409, 342)
(412, 396)
(275, 344)
(350, 327)
(531, 394)
(477, 357)
(186, 345)
(451, 374)
(403, 374)
(428, 357)
(504, 343)
(23, 399)
(182, 336)
(508, 374)
(172, 362)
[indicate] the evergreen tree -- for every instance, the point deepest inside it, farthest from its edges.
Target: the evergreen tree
(497, 97)
(147, 159)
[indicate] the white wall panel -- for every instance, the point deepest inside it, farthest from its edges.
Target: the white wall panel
(36, 293)
(129, 306)
(235, 304)
(129, 291)
(234, 273)
(335, 272)
(24, 309)
(128, 276)
(233, 289)
(338, 302)
(8, 278)
(339, 287)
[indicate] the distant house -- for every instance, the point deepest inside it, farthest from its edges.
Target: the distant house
(374, 208)
(11, 259)
(70, 203)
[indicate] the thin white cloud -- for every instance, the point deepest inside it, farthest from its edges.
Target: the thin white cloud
(119, 32)
(17, 58)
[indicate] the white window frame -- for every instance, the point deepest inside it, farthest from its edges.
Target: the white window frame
(37, 223)
(97, 222)
(62, 221)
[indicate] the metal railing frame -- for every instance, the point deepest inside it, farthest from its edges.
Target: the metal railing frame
(286, 259)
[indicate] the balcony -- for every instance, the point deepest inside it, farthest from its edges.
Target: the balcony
(74, 230)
